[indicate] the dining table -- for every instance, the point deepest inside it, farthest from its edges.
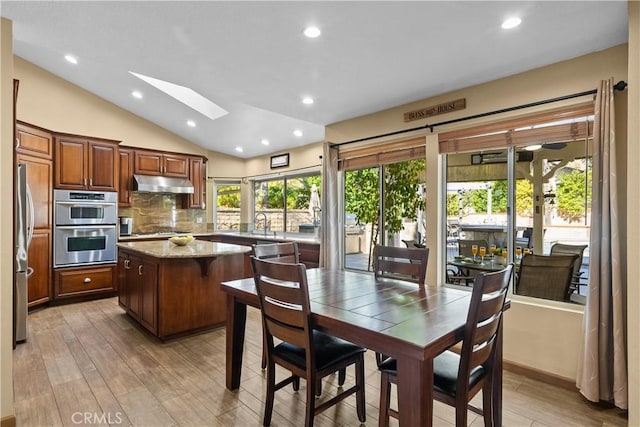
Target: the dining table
(411, 323)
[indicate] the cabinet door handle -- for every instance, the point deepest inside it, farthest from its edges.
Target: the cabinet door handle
(87, 280)
(126, 263)
(90, 182)
(140, 270)
(85, 182)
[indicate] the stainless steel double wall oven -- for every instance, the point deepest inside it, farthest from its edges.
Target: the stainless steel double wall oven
(85, 227)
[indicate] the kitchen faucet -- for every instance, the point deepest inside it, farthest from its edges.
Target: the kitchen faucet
(264, 219)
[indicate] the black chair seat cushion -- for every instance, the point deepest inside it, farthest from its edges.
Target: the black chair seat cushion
(329, 350)
(445, 372)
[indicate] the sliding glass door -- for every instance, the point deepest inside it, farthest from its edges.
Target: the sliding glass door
(383, 205)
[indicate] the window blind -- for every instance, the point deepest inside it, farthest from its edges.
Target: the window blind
(540, 128)
(374, 155)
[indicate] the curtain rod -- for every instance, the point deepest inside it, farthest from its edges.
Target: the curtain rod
(620, 86)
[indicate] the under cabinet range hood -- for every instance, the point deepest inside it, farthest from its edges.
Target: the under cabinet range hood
(161, 184)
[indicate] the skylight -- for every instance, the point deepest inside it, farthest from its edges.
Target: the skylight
(187, 96)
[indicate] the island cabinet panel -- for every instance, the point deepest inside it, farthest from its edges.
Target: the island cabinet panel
(138, 289)
(190, 301)
(173, 296)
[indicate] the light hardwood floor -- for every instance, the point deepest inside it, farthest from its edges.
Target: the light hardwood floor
(88, 364)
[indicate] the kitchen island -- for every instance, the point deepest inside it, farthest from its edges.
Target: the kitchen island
(174, 291)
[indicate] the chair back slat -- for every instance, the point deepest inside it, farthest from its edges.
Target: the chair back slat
(483, 322)
(545, 276)
(284, 301)
(409, 264)
(285, 332)
(282, 252)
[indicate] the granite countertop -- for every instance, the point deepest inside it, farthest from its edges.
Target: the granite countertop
(271, 236)
(274, 236)
(195, 249)
(158, 236)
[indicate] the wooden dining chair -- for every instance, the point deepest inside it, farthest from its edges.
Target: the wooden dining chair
(546, 276)
(408, 264)
(307, 353)
(281, 252)
(457, 378)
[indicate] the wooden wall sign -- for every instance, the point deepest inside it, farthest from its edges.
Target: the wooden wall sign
(445, 107)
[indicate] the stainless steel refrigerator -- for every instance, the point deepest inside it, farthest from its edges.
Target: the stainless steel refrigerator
(24, 217)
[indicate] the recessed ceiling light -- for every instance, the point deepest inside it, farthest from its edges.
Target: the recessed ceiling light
(191, 123)
(136, 94)
(265, 141)
(71, 58)
(297, 132)
(512, 22)
(312, 32)
(239, 149)
(307, 100)
(533, 147)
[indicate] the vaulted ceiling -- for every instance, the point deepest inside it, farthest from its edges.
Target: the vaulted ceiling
(252, 59)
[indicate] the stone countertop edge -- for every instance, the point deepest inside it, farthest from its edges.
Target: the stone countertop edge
(195, 249)
(278, 238)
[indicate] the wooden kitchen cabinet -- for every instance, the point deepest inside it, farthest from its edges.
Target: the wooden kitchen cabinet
(148, 162)
(138, 289)
(125, 173)
(34, 141)
(85, 164)
(198, 177)
(83, 281)
(34, 148)
(40, 259)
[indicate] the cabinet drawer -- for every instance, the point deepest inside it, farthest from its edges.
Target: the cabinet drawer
(74, 282)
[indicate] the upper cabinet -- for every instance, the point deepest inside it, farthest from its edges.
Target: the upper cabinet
(149, 162)
(124, 179)
(198, 177)
(33, 141)
(85, 164)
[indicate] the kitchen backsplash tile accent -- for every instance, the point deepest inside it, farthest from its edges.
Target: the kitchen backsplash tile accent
(154, 212)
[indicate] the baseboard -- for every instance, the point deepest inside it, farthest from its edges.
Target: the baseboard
(542, 376)
(9, 421)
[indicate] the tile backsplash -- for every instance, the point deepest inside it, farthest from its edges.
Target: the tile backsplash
(155, 212)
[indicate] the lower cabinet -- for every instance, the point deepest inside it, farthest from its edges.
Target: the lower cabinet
(74, 282)
(138, 289)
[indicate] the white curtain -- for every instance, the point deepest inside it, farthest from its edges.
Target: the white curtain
(329, 242)
(602, 371)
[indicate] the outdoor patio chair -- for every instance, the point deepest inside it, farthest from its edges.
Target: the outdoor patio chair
(564, 249)
(546, 276)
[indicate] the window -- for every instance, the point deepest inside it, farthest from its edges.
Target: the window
(227, 206)
(551, 185)
(290, 204)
